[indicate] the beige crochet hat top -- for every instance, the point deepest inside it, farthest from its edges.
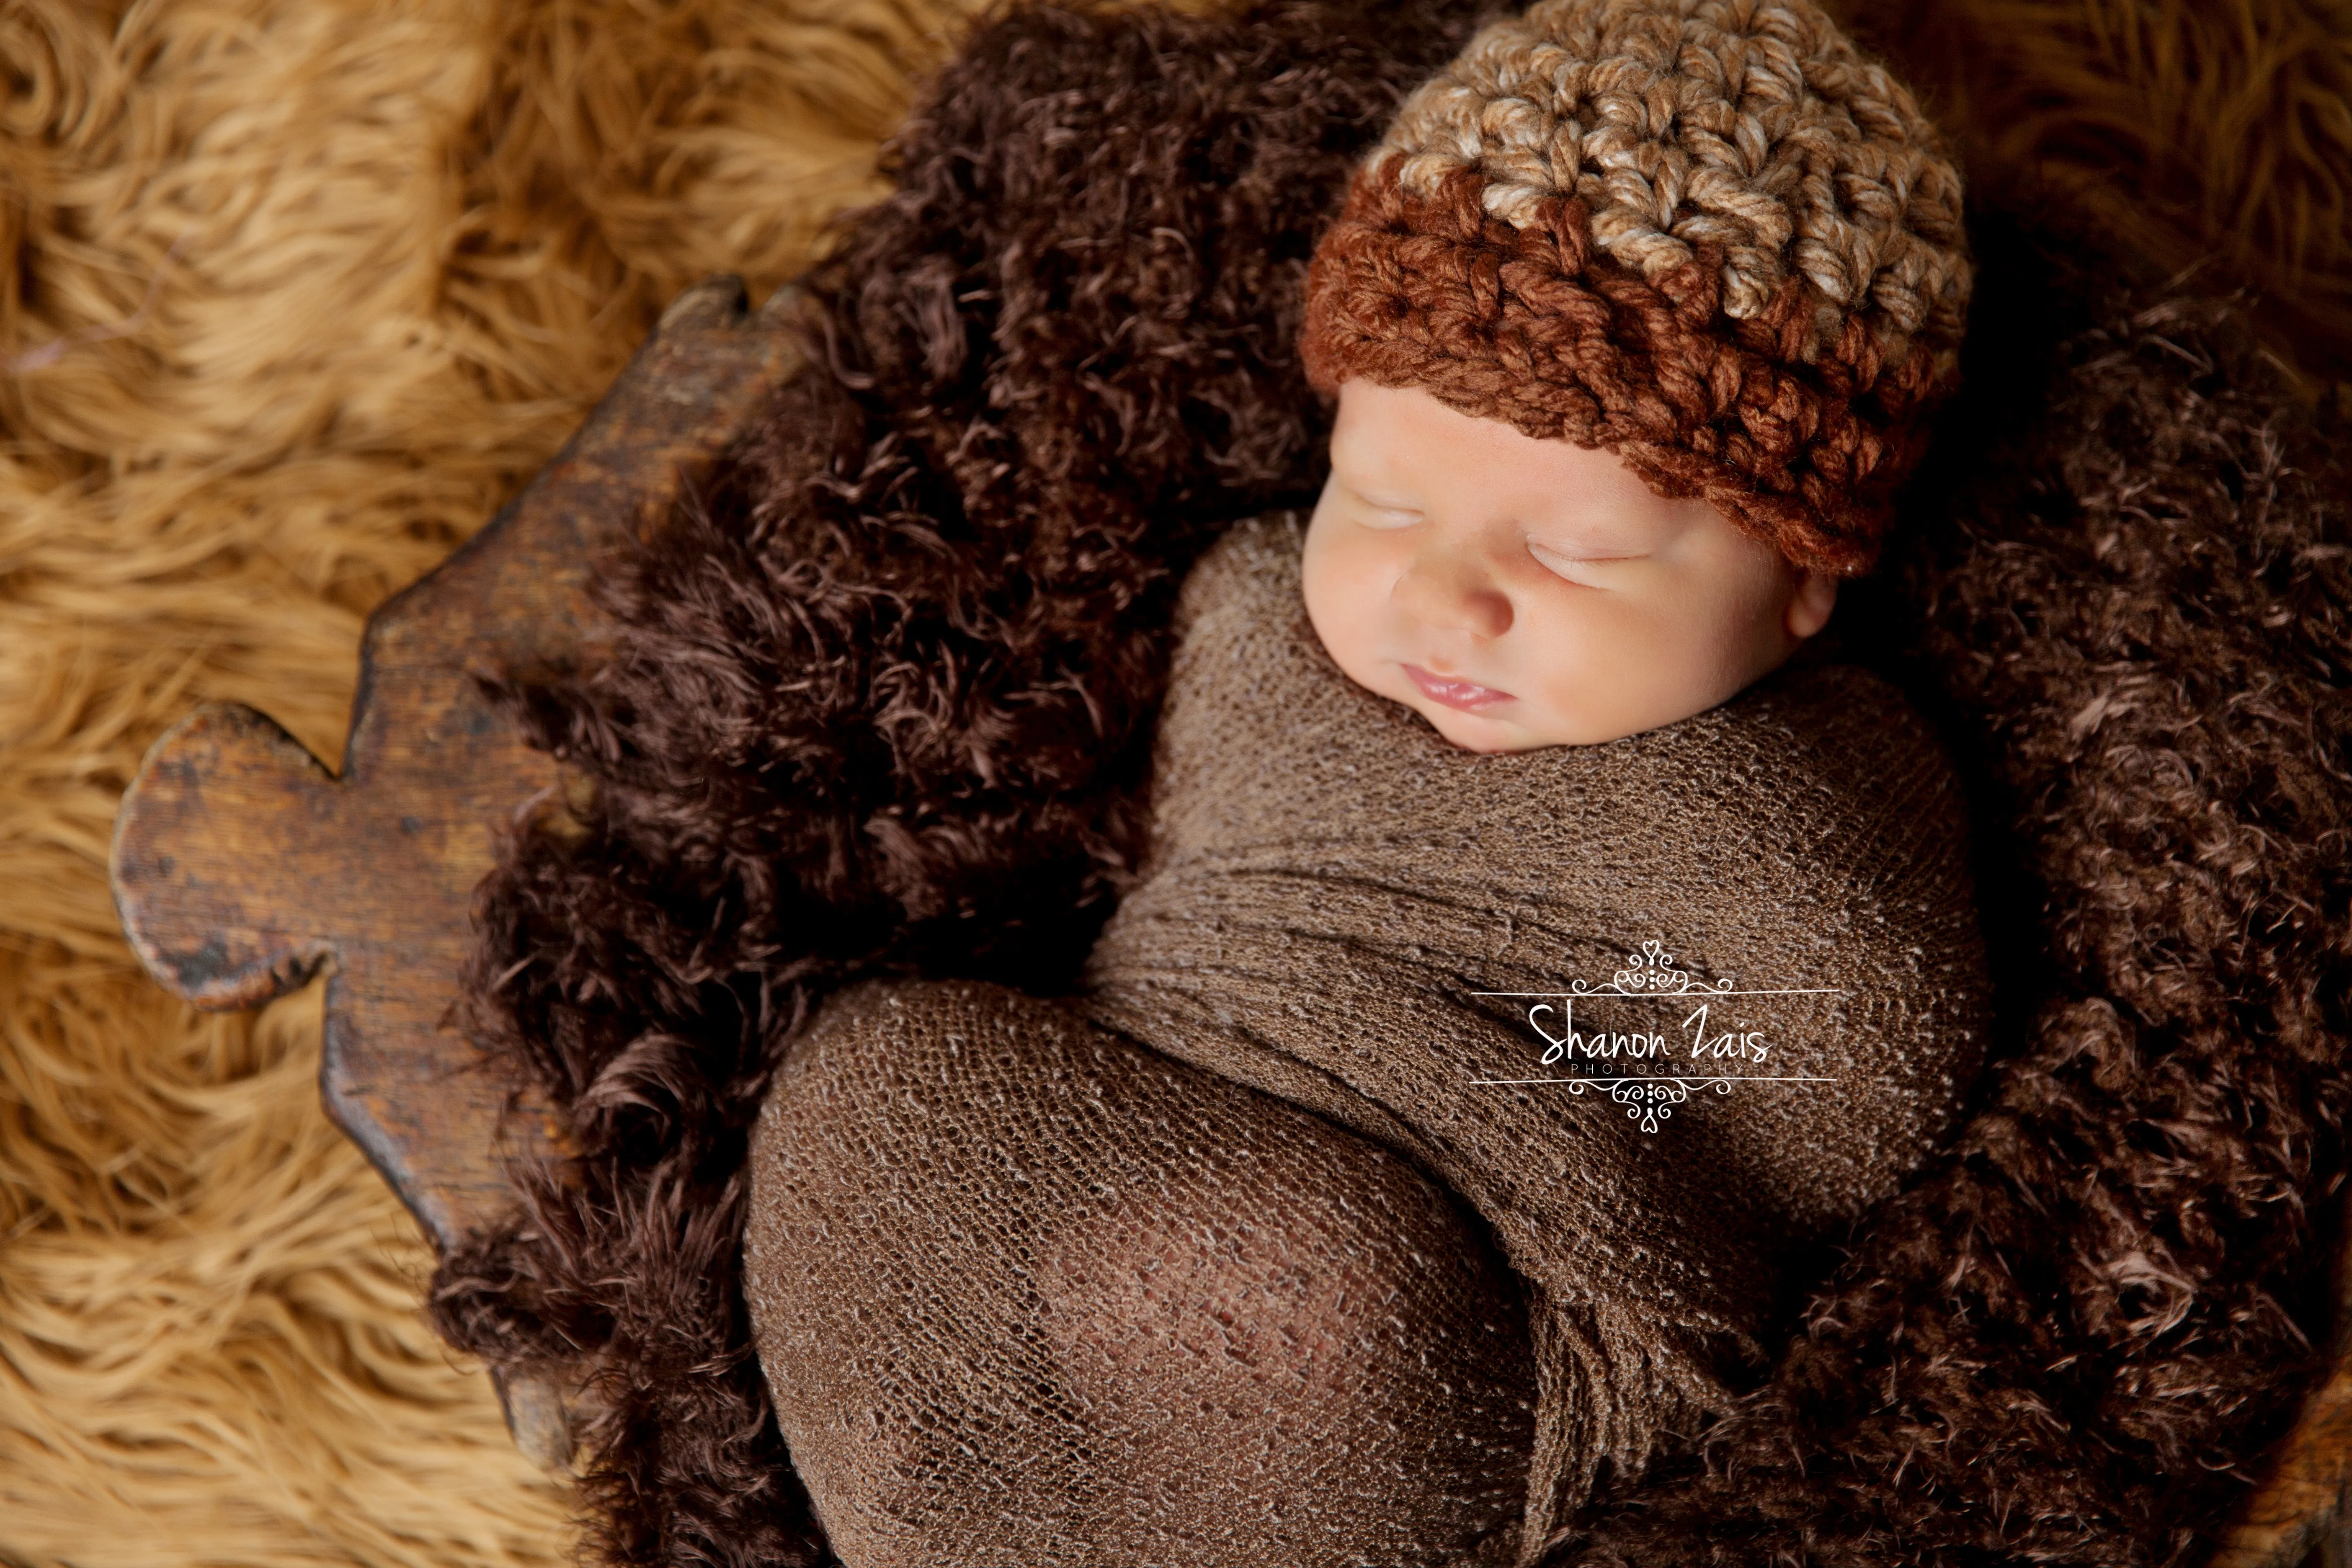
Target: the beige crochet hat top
(1705, 235)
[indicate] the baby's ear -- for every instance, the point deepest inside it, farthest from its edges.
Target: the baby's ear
(1809, 605)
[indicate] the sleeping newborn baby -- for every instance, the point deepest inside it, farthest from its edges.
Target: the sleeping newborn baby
(1543, 943)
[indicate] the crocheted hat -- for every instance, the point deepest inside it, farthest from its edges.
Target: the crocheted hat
(1707, 236)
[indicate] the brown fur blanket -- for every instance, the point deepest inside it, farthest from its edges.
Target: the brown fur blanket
(885, 702)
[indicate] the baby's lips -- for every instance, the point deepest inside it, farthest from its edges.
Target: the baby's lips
(1463, 694)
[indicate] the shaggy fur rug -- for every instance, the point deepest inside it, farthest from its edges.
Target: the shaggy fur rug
(298, 293)
(295, 295)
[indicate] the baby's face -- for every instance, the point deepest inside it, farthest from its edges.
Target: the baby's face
(1518, 593)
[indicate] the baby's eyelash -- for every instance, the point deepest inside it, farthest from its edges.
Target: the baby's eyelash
(1566, 560)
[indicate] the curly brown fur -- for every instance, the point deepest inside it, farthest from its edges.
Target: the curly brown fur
(882, 704)
(2127, 590)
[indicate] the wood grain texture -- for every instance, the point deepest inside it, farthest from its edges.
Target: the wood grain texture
(2297, 1514)
(241, 866)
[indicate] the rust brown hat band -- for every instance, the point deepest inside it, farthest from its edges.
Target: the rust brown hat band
(1702, 235)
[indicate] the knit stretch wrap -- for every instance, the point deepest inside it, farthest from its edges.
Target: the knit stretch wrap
(1082, 1281)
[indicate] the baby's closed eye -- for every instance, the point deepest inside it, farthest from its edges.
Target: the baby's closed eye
(1586, 565)
(1383, 511)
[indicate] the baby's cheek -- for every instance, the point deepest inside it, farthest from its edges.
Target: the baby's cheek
(1344, 604)
(1599, 668)
(1693, 635)
(1749, 636)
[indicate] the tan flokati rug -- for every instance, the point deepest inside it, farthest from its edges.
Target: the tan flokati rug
(297, 294)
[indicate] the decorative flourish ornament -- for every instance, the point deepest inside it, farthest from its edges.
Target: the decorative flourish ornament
(1651, 1099)
(1652, 968)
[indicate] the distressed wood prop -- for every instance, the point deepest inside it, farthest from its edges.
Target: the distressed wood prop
(242, 867)
(2298, 1514)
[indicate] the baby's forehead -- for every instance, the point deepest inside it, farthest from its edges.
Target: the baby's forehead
(1405, 447)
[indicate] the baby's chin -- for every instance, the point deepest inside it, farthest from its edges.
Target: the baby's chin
(1472, 731)
(1501, 729)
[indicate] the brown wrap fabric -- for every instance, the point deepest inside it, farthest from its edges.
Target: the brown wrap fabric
(1028, 1294)
(1329, 888)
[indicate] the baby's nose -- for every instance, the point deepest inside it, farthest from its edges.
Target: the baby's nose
(1453, 593)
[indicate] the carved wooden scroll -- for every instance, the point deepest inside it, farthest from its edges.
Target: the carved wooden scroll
(2298, 1513)
(242, 865)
